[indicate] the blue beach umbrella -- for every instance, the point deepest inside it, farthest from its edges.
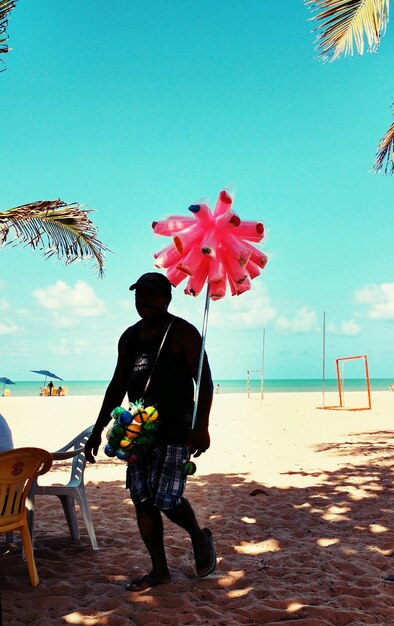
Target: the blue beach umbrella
(46, 374)
(6, 381)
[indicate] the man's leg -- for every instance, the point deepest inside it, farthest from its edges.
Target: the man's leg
(183, 515)
(203, 548)
(150, 526)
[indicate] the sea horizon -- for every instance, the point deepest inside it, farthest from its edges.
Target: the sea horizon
(273, 385)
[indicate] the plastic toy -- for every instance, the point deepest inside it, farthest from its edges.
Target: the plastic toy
(132, 432)
(189, 468)
(216, 248)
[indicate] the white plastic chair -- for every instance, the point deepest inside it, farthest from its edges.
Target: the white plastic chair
(74, 490)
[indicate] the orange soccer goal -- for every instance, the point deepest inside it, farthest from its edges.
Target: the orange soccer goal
(340, 362)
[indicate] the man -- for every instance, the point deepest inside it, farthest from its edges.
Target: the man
(161, 374)
(6, 442)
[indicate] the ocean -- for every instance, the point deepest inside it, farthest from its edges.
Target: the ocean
(98, 387)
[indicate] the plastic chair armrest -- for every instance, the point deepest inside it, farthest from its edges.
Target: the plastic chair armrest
(60, 455)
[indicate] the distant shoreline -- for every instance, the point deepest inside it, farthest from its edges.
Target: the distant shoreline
(277, 385)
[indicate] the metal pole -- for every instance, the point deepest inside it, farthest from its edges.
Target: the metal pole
(324, 360)
(202, 351)
(262, 368)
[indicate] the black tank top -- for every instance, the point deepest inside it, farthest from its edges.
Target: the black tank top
(171, 387)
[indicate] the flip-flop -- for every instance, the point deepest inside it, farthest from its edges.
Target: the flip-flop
(144, 582)
(206, 562)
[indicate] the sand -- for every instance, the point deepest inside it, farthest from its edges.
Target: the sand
(300, 502)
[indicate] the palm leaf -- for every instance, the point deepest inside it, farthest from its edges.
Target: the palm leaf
(385, 153)
(346, 23)
(57, 228)
(6, 7)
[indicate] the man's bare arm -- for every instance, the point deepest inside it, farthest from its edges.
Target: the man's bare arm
(113, 397)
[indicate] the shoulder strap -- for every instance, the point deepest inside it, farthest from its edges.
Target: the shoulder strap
(157, 355)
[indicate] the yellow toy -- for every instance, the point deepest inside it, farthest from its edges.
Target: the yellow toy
(152, 413)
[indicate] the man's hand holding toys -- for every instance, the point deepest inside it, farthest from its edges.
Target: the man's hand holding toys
(132, 432)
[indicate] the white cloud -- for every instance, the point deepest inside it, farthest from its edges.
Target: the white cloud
(4, 305)
(379, 300)
(64, 322)
(67, 348)
(8, 328)
(127, 304)
(252, 309)
(305, 321)
(68, 304)
(349, 328)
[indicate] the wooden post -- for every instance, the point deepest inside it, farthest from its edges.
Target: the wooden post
(368, 382)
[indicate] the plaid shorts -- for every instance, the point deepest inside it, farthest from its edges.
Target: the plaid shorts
(159, 476)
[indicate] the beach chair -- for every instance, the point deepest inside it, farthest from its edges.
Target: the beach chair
(74, 490)
(18, 471)
(6, 393)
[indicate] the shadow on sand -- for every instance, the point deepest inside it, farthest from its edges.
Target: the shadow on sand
(311, 556)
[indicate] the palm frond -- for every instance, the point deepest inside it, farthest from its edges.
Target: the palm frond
(346, 23)
(384, 157)
(57, 228)
(6, 7)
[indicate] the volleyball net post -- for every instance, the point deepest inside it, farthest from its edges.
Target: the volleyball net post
(248, 379)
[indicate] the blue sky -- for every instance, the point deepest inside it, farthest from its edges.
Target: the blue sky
(140, 111)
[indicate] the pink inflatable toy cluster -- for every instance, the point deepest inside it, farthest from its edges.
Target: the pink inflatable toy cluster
(214, 247)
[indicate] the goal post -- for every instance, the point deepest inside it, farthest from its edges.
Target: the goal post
(341, 380)
(339, 365)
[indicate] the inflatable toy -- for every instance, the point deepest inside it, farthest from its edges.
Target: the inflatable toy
(132, 432)
(216, 248)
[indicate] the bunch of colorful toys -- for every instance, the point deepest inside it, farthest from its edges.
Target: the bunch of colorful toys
(132, 432)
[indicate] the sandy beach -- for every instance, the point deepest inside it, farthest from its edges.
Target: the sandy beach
(300, 502)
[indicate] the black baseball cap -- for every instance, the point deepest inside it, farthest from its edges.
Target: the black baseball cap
(154, 280)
